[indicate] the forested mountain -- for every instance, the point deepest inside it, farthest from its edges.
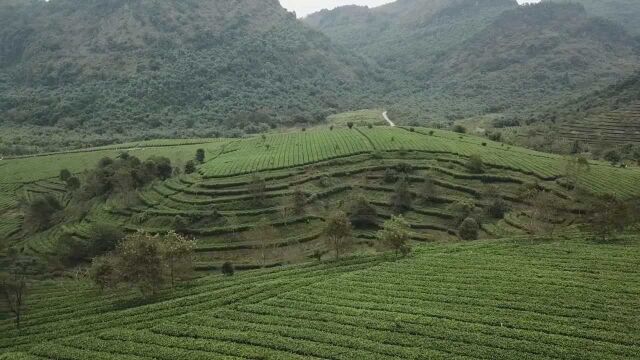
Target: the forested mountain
(470, 57)
(121, 67)
(624, 12)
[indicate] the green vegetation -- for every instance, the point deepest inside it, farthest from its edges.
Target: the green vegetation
(171, 71)
(462, 52)
(514, 298)
(358, 118)
(267, 207)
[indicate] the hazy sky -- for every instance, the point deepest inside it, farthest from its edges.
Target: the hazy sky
(306, 7)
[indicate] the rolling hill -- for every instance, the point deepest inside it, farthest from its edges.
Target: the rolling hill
(219, 207)
(94, 71)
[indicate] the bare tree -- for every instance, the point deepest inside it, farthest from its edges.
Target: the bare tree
(14, 289)
(338, 233)
(178, 252)
(265, 235)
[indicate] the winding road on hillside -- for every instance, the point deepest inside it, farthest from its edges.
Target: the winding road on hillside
(386, 117)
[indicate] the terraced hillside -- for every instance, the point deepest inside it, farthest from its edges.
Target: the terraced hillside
(219, 205)
(506, 299)
(615, 127)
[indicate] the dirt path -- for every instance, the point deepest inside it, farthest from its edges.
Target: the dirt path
(386, 117)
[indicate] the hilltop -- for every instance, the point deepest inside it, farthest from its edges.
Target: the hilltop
(86, 73)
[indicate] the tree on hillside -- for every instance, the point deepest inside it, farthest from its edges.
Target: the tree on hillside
(545, 213)
(103, 272)
(575, 169)
(72, 183)
(361, 213)
(264, 234)
(402, 197)
(200, 156)
(140, 262)
(395, 235)
(104, 238)
(463, 208)
(177, 251)
(233, 223)
(427, 190)
(258, 189)
(469, 229)
(14, 286)
(64, 174)
(609, 216)
(338, 233)
(190, 167)
(299, 201)
(498, 207)
(41, 213)
(475, 164)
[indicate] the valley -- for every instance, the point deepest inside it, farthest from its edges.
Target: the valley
(221, 179)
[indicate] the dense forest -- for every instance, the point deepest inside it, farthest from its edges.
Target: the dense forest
(471, 58)
(85, 73)
(112, 68)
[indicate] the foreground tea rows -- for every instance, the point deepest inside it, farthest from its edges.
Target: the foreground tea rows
(512, 299)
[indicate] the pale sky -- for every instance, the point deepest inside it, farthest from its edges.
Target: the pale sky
(306, 7)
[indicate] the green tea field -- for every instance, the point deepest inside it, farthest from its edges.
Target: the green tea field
(515, 298)
(330, 167)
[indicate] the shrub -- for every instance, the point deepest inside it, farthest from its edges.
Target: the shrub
(484, 144)
(180, 224)
(370, 126)
(495, 136)
(41, 213)
(200, 156)
(404, 168)
(469, 229)
(459, 129)
(73, 183)
(431, 132)
(65, 174)
(190, 167)
(104, 238)
(362, 213)
(390, 176)
(498, 208)
(331, 127)
(350, 125)
(412, 129)
(228, 269)
(613, 156)
(475, 164)
(103, 272)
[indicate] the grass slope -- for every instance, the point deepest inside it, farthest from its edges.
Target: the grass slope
(511, 299)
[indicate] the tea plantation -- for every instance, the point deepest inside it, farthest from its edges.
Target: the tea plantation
(329, 166)
(517, 298)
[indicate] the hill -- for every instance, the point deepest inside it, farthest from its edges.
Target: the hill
(513, 298)
(624, 12)
(86, 73)
(244, 184)
(469, 58)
